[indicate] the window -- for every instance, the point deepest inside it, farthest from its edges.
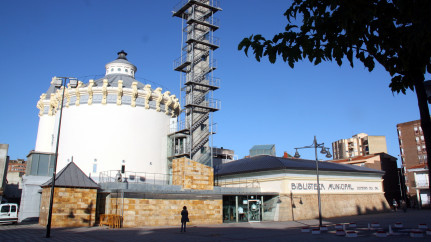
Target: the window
(13, 208)
(5, 209)
(419, 148)
(112, 69)
(126, 70)
(119, 69)
(417, 139)
(399, 132)
(415, 128)
(94, 168)
(422, 138)
(402, 151)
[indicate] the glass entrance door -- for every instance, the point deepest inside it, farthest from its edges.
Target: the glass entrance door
(254, 210)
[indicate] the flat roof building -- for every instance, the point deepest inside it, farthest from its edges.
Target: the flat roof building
(359, 145)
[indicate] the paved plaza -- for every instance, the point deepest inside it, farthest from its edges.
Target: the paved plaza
(263, 231)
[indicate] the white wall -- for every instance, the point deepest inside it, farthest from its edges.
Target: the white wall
(110, 134)
(45, 131)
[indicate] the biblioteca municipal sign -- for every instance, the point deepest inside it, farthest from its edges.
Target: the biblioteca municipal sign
(329, 187)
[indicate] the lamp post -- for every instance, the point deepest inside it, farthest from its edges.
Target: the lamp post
(324, 150)
(57, 82)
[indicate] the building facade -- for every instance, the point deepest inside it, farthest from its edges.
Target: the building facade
(413, 154)
(289, 187)
(4, 158)
(421, 185)
(359, 145)
(18, 165)
(392, 179)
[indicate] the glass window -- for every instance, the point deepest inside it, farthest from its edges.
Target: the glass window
(5, 208)
(112, 69)
(419, 147)
(126, 70)
(417, 139)
(13, 208)
(415, 128)
(422, 137)
(119, 69)
(399, 132)
(94, 168)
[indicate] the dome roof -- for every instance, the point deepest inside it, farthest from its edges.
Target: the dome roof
(121, 66)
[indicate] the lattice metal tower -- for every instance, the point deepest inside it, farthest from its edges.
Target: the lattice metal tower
(193, 132)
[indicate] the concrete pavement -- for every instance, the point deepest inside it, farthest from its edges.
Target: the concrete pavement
(263, 231)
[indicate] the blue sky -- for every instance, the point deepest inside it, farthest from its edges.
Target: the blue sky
(262, 103)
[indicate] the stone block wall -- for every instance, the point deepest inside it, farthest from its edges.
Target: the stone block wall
(164, 212)
(192, 175)
(305, 206)
(72, 207)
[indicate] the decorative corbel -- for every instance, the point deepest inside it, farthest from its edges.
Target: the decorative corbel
(148, 93)
(104, 91)
(175, 109)
(159, 99)
(134, 93)
(77, 94)
(52, 104)
(90, 91)
(119, 92)
(40, 105)
(168, 101)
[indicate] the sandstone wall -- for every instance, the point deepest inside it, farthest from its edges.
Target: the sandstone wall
(163, 212)
(192, 175)
(72, 207)
(305, 206)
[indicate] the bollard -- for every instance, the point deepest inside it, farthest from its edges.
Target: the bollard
(416, 234)
(381, 234)
(352, 225)
(305, 229)
(422, 226)
(340, 232)
(398, 225)
(339, 226)
(351, 234)
(315, 231)
(323, 228)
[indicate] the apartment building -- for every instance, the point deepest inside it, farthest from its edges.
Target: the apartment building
(359, 145)
(414, 157)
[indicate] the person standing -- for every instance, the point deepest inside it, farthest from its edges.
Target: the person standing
(395, 204)
(404, 205)
(184, 218)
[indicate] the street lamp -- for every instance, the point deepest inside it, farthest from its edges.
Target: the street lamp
(324, 150)
(57, 82)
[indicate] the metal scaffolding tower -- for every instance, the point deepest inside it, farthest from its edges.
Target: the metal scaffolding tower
(193, 132)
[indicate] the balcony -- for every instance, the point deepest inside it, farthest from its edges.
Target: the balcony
(422, 184)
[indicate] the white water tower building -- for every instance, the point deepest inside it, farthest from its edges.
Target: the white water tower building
(112, 123)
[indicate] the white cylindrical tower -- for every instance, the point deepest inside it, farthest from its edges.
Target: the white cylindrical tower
(109, 123)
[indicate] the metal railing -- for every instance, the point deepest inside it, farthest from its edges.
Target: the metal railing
(205, 38)
(205, 102)
(212, 3)
(135, 177)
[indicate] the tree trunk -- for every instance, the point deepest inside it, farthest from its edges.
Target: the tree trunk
(425, 120)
